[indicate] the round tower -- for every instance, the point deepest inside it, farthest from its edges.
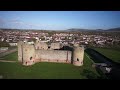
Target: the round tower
(78, 55)
(28, 54)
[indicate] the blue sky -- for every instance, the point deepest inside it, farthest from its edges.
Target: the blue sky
(59, 20)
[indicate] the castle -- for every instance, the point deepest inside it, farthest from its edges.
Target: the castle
(29, 54)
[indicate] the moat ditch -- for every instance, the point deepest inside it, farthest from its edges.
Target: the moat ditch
(99, 58)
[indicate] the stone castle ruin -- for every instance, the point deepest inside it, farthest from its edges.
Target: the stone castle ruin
(29, 54)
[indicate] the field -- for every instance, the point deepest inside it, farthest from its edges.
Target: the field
(110, 53)
(46, 70)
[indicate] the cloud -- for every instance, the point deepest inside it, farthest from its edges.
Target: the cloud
(19, 22)
(2, 21)
(28, 24)
(24, 24)
(16, 22)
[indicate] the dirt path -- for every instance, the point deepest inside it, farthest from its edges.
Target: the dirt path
(7, 61)
(7, 52)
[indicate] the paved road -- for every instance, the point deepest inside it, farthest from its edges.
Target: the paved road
(7, 61)
(7, 52)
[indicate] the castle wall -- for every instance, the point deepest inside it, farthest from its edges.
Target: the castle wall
(29, 54)
(55, 46)
(41, 45)
(78, 55)
(20, 51)
(53, 56)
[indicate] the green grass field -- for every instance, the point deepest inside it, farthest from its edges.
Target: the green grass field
(110, 53)
(46, 70)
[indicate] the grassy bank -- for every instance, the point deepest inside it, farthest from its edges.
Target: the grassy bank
(110, 53)
(46, 70)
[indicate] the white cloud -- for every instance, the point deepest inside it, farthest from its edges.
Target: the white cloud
(2, 21)
(16, 22)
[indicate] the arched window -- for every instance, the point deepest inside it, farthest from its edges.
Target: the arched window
(77, 59)
(48, 47)
(30, 58)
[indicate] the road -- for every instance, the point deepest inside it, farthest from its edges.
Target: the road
(7, 61)
(8, 52)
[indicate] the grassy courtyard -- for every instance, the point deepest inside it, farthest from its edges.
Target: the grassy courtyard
(46, 70)
(110, 53)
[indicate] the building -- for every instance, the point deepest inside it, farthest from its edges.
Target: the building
(13, 44)
(39, 52)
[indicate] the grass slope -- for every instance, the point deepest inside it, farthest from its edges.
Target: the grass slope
(46, 70)
(110, 53)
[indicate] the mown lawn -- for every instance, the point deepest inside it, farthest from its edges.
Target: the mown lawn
(110, 53)
(46, 70)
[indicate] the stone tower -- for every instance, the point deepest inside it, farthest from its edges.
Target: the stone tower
(55, 46)
(28, 54)
(40, 45)
(78, 55)
(20, 51)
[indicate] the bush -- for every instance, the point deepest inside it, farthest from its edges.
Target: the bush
(4, 44)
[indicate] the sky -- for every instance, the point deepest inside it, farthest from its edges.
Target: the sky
(59, 20)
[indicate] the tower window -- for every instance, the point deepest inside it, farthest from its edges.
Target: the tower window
(77, 59)
(37, 47)
(30, 58)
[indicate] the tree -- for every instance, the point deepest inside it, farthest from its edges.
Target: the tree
(4, 44)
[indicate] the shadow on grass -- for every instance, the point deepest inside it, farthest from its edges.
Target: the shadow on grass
(91, 75)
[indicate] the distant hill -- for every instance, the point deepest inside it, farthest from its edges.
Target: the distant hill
(75, 29)
(82, 30)
(111, 30)
(68, 30)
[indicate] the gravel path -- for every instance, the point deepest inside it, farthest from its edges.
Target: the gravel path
(7, 52)
(7, 61)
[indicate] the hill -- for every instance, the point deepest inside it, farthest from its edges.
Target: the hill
(79, 30)
(114, 29)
